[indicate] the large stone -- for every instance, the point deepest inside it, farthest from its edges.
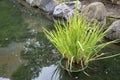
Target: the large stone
(114, 32)
(118, 2)
(29, 1)
(45, 5)
(95, 11)
(66, 10)
(48, 5)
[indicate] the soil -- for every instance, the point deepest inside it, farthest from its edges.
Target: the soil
(113, 10)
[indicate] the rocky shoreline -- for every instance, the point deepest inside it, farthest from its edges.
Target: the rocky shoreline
(95, 11)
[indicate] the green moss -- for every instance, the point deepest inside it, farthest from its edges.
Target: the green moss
(63, 0)
(11, 26)
(109, 21)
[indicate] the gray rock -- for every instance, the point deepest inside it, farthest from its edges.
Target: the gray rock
(95, 11)
(118, 2)
(45, 5)
(29, 1)
(48, 5)
(114, 32)
(36, 3)
(65, 10)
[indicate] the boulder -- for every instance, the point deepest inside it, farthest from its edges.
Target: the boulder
(45, 5)
(48, 5)
(95, 11)
(118, 2)
(65, 10)
(31, 2)
(114, 32)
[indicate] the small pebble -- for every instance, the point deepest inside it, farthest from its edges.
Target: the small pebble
(6, 38)
(76, 77)
(106, 72)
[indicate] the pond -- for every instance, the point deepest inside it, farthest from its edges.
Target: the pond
(26, 54)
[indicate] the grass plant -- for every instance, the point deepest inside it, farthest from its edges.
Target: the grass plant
(78, 41)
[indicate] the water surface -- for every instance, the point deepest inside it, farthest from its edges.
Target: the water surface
(28, 55)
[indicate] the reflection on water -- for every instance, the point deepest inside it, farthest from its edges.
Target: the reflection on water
(4, 78)
(43, 65)
(42, 58)
(54, 72)
(11, 48)
(37, 58)
(46, 73)
(10, 59)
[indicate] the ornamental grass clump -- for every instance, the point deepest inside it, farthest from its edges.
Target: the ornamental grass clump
(77, 40)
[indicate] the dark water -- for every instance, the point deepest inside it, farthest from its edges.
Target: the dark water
(35, 58)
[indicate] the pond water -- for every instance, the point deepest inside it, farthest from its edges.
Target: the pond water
(26, 54)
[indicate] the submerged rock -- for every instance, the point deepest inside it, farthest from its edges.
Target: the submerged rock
(45, 5)
(95, 11)
(66, 10)
(114, 32)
